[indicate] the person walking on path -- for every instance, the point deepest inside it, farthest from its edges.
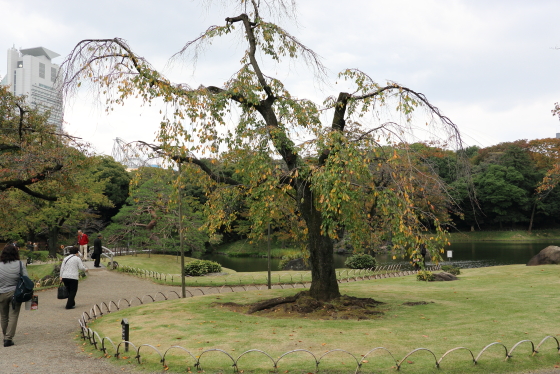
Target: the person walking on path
(70, 273)
(83, 241)
(97, 250)
(10, 268)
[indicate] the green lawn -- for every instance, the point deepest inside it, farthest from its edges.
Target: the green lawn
(503, 304)
(171, 270)
(506, 236)
(161, 263)
(37, 272)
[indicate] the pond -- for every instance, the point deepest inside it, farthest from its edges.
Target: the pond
(465, 255)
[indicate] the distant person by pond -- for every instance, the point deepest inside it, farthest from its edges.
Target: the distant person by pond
(97, 251)
(83, 241)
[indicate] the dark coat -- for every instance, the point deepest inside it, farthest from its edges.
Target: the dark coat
(97, 246)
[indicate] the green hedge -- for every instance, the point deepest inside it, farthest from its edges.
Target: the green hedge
(35, 256)
(360, 261)
(201, 267)
(451, 269)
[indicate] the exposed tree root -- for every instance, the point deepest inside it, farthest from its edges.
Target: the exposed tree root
(304, 306)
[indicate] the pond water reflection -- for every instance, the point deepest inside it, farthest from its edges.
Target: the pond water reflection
(465, 255)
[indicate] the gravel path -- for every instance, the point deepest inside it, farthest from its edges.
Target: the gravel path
(44, 341)
(45, 338)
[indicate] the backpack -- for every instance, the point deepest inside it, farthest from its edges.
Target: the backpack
(24, 288)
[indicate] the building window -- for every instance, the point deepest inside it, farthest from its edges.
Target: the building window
(41, 70)
(53, 74)
(15, 76)
(20, 64)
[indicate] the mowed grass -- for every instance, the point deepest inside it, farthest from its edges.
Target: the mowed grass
(168, 265)
(37, 272)
(503, 304)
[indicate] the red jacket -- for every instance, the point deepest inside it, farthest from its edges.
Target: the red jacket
(83, 239)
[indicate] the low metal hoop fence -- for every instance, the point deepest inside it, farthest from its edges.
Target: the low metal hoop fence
(286, 280)
(105, 344)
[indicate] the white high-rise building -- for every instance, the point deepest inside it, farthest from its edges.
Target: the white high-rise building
(32, 73)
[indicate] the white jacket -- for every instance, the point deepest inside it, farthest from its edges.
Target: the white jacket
(71, 266)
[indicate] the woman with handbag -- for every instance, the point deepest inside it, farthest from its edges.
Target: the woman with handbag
(10, 268)
(70, 273)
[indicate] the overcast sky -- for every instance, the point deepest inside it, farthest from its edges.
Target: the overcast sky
(491, 66)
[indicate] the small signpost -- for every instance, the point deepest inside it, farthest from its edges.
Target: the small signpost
(449, 255)
(125, 333)
(269, 273)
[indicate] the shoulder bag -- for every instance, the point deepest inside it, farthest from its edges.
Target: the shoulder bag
(24, 288)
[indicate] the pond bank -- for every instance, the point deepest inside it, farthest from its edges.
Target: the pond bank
(505, 236)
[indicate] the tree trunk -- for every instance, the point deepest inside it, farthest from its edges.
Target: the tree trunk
(532, 217)
(324, 286)
(52, 240)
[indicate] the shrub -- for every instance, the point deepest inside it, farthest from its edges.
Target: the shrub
(197, 268)
(451, 269)
(214, 267)
(34, 256)
(360, 261)
(287, 258)
(424, 275)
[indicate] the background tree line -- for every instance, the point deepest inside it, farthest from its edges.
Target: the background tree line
(50, 186)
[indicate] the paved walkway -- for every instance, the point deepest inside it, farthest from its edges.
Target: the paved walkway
(45, 337)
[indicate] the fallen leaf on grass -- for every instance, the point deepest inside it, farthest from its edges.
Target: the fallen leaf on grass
(409, 362)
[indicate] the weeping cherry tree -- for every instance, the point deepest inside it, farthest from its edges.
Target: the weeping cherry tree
(317, 169)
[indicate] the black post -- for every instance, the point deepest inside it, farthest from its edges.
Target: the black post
(125, 333)
(269, 275)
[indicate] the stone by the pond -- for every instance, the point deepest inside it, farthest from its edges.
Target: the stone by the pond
(443, 276)
(549, 255)
(297, 264)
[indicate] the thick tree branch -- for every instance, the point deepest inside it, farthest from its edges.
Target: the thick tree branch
(36, 194)
(22, 184)
(9, 147)
(21, 115)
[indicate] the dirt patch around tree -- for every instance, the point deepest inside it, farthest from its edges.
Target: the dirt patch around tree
(304, 306)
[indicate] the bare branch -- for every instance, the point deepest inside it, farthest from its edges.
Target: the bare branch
(191, 160)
